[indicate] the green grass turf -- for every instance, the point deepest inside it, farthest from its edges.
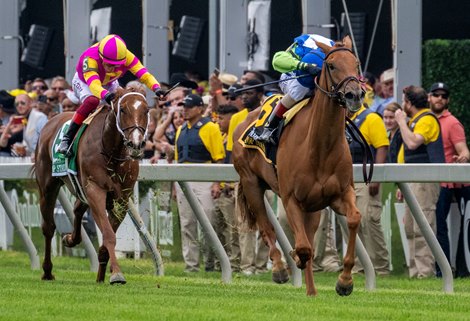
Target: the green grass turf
(74, 295)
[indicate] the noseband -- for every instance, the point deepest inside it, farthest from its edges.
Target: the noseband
(118, 118)
(335, 92)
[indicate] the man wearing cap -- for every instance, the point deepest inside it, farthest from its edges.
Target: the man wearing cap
(250, 260)
(422, 143)
(369, 196)
(96, 79)
(198, 140)
(456, 151)
(385, 96)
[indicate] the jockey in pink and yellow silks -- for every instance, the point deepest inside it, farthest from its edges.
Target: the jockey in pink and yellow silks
(96, 79)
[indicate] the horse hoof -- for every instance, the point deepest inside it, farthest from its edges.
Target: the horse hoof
(117, 278)
(49, 277)
(281, 276)
(344, 290)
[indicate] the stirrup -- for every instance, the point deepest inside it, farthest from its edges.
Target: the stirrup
(267, 135)
(64, 148)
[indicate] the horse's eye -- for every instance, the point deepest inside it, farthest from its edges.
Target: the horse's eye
(123, 110)
(331, 66)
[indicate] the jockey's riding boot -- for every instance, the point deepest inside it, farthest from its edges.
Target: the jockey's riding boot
(64, 147)
(272, 123)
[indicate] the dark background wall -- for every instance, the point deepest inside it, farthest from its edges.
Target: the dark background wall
(449, 22)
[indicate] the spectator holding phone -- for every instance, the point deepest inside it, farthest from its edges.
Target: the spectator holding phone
(33, 122)
(7, 107)
(11, 134)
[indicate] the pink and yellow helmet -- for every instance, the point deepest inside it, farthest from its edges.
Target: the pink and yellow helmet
(113, 50)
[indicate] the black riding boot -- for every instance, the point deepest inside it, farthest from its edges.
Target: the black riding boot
(271, 125)
(67, 139)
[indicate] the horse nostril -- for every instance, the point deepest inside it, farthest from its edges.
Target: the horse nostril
(349, 96)
(142, 144)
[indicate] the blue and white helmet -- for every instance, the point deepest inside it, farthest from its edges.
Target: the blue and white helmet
(309, 52)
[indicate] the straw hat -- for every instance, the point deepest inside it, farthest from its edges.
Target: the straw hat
(227, 79)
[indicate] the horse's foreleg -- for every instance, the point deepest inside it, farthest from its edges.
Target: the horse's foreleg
(312, 221)
(347, 206)
(71, 240)
(97, 202)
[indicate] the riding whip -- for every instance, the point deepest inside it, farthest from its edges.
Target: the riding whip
(266, 83)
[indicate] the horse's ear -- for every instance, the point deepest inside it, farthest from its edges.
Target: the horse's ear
(347, 42)
(326, 49)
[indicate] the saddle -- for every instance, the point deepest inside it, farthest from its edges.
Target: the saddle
(63, 166)
(249, 138)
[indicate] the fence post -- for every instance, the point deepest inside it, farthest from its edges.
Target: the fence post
(447, 278)
(15, 220)
(209, 231)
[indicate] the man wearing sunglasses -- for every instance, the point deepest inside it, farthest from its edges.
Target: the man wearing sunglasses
(422, 143)
(456, 151)
(34, 121)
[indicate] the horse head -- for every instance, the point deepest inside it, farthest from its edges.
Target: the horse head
(340, 75)
(132, 118)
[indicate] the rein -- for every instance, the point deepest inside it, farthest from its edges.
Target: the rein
(339, 96)
(366, 152)
(334, 91)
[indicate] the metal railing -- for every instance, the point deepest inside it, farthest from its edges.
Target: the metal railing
(395, 173)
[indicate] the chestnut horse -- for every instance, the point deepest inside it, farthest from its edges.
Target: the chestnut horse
(108, 166)
(314, 168)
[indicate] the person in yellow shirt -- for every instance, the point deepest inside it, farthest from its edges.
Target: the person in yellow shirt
(369, 197)
(422, 143)
(198, 140)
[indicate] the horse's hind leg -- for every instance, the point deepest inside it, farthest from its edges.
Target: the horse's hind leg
(303, 250)
(347, 206)
(48, 194)
(103, 258)
(70, 240)
(255, 197)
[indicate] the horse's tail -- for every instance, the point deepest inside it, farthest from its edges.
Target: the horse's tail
(244, 211)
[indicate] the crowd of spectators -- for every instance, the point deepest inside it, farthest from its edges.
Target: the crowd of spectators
(195, 124)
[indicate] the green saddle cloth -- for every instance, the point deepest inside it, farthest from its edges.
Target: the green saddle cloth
(61, 165)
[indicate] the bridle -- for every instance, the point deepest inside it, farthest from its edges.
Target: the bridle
(340, 96)
(127, 143)
(335, 92)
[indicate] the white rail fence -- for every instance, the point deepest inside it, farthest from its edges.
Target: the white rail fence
(400, 174)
